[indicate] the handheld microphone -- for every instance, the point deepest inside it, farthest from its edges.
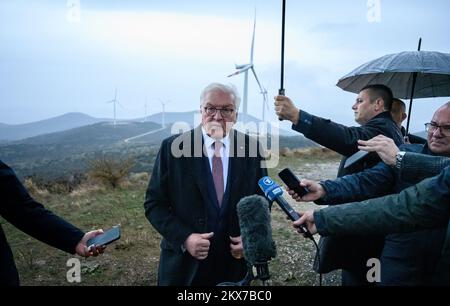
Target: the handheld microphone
(274, 193)
(256, 232)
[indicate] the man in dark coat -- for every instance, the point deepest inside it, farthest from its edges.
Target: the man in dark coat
(407, 259)
(372, 112)
(398, 113)
(198, 178)
(22, 211)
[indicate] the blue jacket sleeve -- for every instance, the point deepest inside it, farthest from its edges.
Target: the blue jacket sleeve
(341, 138)
(374, 182)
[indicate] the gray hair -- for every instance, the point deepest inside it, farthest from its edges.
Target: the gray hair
(230, 89)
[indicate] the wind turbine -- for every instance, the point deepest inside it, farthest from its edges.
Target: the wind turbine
(265, 104)
(244, 68)
(145, 105)
(163, 119)
(115, 101)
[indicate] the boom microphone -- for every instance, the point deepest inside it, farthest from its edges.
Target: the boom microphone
(274, 193)
(256, 233)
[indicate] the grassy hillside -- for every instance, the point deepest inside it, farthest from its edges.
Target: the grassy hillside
(134, 258)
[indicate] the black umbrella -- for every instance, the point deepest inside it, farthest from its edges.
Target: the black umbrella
(410, 74)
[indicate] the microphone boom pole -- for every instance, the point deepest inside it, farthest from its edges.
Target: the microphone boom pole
(283, 13)
(281, 90)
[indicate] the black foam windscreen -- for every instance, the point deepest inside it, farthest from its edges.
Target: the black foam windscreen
(256, 231)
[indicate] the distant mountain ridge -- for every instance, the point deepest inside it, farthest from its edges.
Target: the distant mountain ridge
(9, 132)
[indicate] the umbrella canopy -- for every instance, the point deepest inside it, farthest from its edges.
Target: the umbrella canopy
(397, 72)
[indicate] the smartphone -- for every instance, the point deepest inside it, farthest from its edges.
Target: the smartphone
(106, 238)
(292, 182)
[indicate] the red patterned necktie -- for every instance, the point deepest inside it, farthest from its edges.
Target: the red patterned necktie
(217, 171)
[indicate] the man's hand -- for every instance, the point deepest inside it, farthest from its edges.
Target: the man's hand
(316, 191)
(306, 218)
(198, 245)
(81, 248)
(237, 249)
(384, 146)
(286, 109)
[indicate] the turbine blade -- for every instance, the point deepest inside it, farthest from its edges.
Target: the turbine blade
(246, 67)
(253, 39)
(257, 81)
(242, 66)
(233, 74)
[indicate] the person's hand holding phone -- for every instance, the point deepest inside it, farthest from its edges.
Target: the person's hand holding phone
(82, 248)
(315, 191)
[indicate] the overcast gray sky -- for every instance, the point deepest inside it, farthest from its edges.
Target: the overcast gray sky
(64, 56)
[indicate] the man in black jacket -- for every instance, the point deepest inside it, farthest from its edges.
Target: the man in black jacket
(21, 210)
(372, 112)
(410, 258)
(398, 113)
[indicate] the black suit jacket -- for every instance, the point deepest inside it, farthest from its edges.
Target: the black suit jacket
(180, 201)
(18, 208)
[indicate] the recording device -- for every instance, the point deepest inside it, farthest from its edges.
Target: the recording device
(292, 182)
(256, 232)
(106, 238)
(274, 193)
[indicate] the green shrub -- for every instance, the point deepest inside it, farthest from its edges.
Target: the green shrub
(110, 171)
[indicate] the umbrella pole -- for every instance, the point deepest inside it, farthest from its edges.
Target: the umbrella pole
(412, 92)
(281, 91)
(411, 101)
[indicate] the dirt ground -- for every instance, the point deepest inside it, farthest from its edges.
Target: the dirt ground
(294, 261)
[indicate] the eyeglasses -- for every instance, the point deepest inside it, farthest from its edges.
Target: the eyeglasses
(225, 112)
(432, 127)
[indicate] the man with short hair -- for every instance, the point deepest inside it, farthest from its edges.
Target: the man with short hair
(398, 113)
(372, 111)
(197, 181)
(407, 259)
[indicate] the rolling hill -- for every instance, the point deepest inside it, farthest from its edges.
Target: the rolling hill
(61, 154)
(10, 132)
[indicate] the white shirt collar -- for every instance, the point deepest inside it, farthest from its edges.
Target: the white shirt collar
(209, 140)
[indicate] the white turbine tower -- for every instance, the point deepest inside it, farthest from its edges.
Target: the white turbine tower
(163, 118)
(114, 101)
(145, 114)
(245, 68)
(265, 104)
